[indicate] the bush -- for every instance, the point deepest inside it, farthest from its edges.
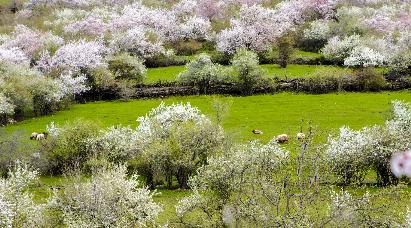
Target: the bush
(189, 47)
(175, 141)
(354, 153)
(285, 49)
(125, 66)
(369, 80)
(202, 72)
(247, 67)
(108, 199)
(236, 188)
(66, 149)
(17, 206)
(12, 149)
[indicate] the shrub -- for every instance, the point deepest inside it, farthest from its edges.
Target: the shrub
(236, 187)
(369, 80)
(246, 65)
(14, 148)
(202, 72)
(17, 206)
(175, 141)
(125, 66)
(66, 148)
(353, 153)
(108, 199)
(285, 49)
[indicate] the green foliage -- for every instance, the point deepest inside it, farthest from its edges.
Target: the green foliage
(125, 66)
(369, 80)
(245, 64)
(285, 49)
(66, 149)
(202, 72)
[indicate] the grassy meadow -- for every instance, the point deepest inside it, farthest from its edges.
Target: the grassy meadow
(273, 114)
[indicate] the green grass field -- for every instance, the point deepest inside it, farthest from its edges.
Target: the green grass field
(271, 70)
(273, 114)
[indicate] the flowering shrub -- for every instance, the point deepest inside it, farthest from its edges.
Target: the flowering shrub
(236, 188)
(175, 141)
(364, 57)
(80, 55)
(17, 207)
(202, 72)
(167, 117)
(337, 49)
(67, 146)
(353, 153)
(32, 42)
(118, 144)
(13, 56)
(108, 199)
(137, 42)
(5, 107)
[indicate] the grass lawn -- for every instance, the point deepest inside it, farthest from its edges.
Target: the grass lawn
(273, 114)
(272, 70)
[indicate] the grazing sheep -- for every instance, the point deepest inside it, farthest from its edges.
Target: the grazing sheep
(282, 138)
(300, 136)
(41, 136)
(33, 135)
(257, 132)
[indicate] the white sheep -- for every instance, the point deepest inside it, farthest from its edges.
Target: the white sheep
(282, 138)
(300, 136)
(33, 135)
(41, 136)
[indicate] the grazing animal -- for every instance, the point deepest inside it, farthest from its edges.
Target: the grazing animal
(33, 135)
(42, 136)
(300, 136)
(257, 132)
(281, 138)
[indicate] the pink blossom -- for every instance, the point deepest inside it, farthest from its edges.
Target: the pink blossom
(401, 164)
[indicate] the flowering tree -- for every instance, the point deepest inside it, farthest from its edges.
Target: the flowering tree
(5, 107)
(32, 42)
(108, 199)
(353, 153)
(137, 42)
(80, 55)
(364, 57)
(337, 49)
(256, 28)
(17, 207)
(13, 56)
(237, 187)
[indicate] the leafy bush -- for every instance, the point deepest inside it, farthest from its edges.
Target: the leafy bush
(202, 72)
(285, 49)
(67, 148)
(369, 80)
(125, 66)
(108, 199)
(246, 65)
(175, 141)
